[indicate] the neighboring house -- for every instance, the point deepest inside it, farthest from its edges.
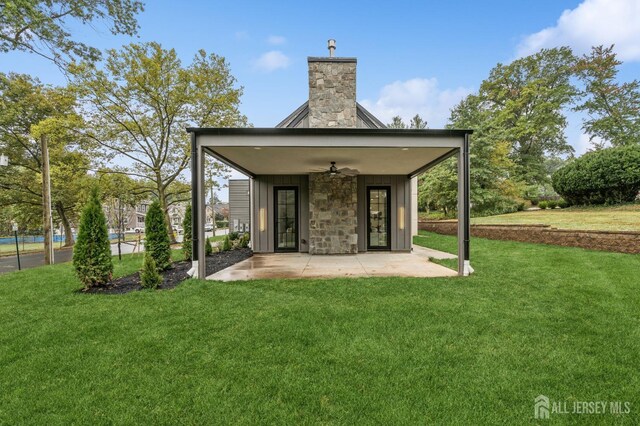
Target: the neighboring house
(176, 214)
(331, 179)
(134, 216)
(239, 205)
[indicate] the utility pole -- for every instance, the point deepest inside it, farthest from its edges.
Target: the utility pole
(47, 220)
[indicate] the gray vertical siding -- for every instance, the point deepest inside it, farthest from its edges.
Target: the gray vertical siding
(239, 208)
(263, 187)
(262, 193)
(400, 197)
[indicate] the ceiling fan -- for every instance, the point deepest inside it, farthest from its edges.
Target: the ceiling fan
(333, 170)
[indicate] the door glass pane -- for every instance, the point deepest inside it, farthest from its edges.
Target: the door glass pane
(286, 220)
(378, 218)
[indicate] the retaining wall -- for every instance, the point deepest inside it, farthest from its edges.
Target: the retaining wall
(621, 241)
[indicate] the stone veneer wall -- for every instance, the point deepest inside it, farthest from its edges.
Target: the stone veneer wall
(332, 92)
(333, 220)
(621, 241)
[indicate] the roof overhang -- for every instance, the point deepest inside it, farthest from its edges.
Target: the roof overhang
(268, 151)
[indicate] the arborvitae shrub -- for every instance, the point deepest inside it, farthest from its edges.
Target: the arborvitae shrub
(226, 244)
(187, 243)
(208, 249)
(92, 252)
(157, 239)
(149, 276)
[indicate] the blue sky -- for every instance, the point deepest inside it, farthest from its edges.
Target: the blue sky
(413, 56)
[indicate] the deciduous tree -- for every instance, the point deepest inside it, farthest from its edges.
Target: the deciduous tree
(613, 108)
(140, 103)
(41, 27)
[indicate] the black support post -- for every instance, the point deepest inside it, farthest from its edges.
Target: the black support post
(467, 201)
(195, 209)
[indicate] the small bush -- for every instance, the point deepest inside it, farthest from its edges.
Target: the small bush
(552, 204)
(187, 243)
(542, 204)
(149, 276)
(607, 176)
(233, 236)
(157, 239)
(534, 201)
(563, 204)
(244, 240)
(208, 249)
(520, 207)
(92, 252)
(226, 244)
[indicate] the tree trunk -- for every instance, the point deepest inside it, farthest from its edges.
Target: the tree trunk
(165, 210)
(68, 241)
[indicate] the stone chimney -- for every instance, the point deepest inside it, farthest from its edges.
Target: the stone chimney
(332, 90)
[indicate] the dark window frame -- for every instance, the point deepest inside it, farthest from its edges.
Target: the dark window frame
(275, 218)
(368, 213)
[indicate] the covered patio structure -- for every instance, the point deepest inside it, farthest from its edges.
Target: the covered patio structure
(298, 204)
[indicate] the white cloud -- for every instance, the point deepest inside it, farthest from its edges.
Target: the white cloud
(416, 96)
(592, 23)
(271, 61)
(276, 40)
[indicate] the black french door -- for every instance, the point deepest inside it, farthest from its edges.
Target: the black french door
(286, 218)
(379, 218)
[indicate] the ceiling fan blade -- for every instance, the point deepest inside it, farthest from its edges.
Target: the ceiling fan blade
(349, 172)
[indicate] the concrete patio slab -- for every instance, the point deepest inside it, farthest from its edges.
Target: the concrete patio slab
(303, 265)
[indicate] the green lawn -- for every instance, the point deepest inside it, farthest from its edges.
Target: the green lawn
(532, 320)
(616, 218)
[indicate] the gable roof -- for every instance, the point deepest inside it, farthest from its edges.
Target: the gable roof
(297, 118)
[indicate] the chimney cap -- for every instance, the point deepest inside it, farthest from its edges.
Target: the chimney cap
(331, 44)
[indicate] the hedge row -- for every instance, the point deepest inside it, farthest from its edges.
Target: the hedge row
(607, 176)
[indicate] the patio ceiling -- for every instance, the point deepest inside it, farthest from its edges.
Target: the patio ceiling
(303, 151)
(303, 160)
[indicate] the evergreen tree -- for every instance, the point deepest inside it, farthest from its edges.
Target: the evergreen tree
(157, 239)
(92, 252)
(149, 276)
(208, 249)
(187, 242)
(226, 244)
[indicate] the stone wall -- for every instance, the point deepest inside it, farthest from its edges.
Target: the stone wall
(622, 242)
(332, 92)
(333, 220)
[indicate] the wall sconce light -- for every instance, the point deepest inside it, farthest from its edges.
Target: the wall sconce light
(263, 219)
(401, 218)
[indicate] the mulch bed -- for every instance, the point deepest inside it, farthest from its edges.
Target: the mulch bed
(175, 275)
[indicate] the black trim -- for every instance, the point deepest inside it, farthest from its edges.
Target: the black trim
(275, 218)
(302, 112)
(433, 163)
(195, 213)
(368, 213)
(335, 131)
(368, 118)
(295, 117)
(467, 194)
